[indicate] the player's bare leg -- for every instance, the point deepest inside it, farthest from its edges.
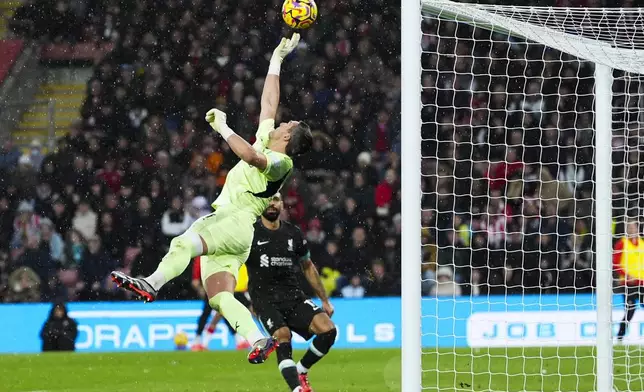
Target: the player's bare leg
(285, 361)
(182, 249)
(219, 288)
(325, 334)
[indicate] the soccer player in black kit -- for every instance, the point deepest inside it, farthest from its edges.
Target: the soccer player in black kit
(278, 251)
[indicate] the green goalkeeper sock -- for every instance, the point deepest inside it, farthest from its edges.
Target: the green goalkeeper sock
(237, 315)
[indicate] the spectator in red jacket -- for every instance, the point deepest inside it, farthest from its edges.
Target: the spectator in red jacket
(499, 172)
(110, 176)
(384, 194)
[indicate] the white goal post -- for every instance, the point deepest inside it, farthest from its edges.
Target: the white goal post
(609, 42)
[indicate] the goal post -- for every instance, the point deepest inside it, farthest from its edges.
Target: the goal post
(516, 230)
(604, 235)
(411, 190)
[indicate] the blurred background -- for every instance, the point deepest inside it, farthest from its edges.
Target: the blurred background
(105, 155)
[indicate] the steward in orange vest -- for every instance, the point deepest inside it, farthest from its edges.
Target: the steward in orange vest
(628, 262)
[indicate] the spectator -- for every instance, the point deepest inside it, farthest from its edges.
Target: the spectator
(85, 220)
(42, 201)
(52, 241)
(59, 331)
(75, 248)
(95, 268)
(445, 286)
(354, 289)
(61, 217)
(199, 208)
(110, 175)
(112, 238)
(24, 286)
(143, 222)
(9, 155)
(36, 156)
(24, 178)
(358, 256)
(26, 225)
(37, 259)
(380, 283)
(175, 220)
(167, 171)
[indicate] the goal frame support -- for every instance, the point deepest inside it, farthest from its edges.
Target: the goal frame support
(603, 224)
(411, 255)
(411, 72)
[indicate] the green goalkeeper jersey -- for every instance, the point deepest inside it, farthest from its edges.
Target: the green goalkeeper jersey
(249, 189)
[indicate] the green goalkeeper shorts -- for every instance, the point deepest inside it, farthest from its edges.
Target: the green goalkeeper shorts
(228, 233)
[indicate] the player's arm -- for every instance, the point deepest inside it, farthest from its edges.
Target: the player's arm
(313, 277)
(241, 148)
(271, 93)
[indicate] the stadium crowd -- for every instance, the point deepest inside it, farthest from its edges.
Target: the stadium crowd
(142, 165)
(508, 147)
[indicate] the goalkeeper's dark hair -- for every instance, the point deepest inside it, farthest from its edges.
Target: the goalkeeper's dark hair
(301, 140)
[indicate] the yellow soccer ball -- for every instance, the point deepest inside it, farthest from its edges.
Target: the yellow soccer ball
(181, 341)
(299, 14)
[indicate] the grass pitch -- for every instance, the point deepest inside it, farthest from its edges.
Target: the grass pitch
(511, 370)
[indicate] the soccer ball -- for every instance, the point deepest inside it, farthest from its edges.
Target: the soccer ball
(299, 14)
(181, 341)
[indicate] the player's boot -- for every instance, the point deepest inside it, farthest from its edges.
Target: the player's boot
(304, 382)
(138, 286)
(261, 350)
(198, 347)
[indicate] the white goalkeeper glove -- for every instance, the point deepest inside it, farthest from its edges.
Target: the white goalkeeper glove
(217, 120)
(286, 46)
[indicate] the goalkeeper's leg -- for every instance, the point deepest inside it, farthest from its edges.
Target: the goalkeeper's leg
(219, 275)
(182, 249)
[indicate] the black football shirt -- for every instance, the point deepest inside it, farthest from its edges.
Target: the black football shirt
(274, 263)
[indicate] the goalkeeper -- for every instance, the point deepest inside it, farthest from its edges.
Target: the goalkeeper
(226, 234)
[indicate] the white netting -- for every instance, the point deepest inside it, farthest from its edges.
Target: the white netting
(508, 194)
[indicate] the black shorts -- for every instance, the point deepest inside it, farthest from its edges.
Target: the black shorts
(297, 315)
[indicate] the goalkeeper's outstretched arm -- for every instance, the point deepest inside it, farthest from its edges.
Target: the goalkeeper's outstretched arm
(241, 148)
(271, 92)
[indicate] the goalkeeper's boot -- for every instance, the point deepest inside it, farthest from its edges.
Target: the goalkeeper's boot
(304, 382)
(138, 286)
(261, 350)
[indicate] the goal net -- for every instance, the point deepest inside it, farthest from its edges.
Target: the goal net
(531, 139)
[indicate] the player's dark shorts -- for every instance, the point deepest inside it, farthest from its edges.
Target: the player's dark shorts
(297, 315)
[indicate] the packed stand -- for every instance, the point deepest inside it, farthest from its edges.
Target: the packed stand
(142, 165)
(509, 164)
